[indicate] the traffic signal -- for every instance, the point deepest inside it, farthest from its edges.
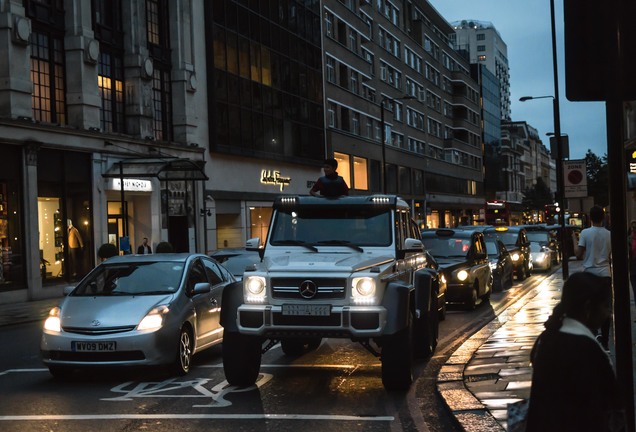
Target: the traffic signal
(591, 39)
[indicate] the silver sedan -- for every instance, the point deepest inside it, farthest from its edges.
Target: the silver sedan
(138, 310)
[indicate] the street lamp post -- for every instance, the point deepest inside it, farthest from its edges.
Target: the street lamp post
(560, 195)
(383, 127)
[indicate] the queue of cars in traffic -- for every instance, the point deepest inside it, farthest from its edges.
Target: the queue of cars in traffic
(161, 309)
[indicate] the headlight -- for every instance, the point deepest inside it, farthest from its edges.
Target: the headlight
(154, 319)
(254, 289)
(53, 322)
(462, 275)
(363, 290)
(442, 277)
(515, 256)
(540, 257)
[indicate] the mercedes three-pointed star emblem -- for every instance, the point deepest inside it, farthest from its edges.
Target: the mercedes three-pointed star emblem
(308, 289)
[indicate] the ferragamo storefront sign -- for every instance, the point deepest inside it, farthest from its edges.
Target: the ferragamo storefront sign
(274, 178)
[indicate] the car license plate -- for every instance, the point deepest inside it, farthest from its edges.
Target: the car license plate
(93, 346)
(306, 310)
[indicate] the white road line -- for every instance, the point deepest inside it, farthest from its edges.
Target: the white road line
(8, 371)
(197, 417)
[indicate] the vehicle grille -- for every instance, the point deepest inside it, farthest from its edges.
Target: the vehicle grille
(94, 357)
(94, 331)
(327, 288)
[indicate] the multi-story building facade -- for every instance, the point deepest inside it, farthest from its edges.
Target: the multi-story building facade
(526, 160)
(495, 179)
(266, 111)
(101, 135)
(483, 44)
(402, 111)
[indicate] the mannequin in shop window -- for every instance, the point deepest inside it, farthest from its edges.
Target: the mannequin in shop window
(75, 246)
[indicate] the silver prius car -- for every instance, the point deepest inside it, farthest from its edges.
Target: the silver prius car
(132, 310)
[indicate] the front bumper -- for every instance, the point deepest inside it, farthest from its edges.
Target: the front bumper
(342, 321)
(457, 292)
(133, 348)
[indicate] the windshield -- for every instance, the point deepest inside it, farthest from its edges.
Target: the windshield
(332, 226)
(506, 237)
(132, 279)
(491, 248)
(536, 247)
(444, 247)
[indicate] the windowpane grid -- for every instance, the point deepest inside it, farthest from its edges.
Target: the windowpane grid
(48, 97)
(152, 19)
(111, 92)
(162, 104)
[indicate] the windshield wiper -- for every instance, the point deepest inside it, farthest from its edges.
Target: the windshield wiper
(341, 243)
(158, 292)
(296, 243)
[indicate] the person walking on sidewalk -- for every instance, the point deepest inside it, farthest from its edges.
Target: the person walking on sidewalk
(574, 387)
(594, 246)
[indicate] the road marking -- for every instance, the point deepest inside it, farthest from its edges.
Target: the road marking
(8, 371)
(166, 389)
(197, 417)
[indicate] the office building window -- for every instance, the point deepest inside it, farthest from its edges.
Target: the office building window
(360, 176)
(48, 76)
(107, 26)
(344, 166)
(110, 80)
(159, 47)
(162, 104)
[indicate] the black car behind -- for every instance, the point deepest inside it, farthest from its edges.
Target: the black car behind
(462, 257)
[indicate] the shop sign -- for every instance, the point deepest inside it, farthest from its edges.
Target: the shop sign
(132, 185)
(273, 177)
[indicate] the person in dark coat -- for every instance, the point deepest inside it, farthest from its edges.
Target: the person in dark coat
(331, 184)
(144, 248)
(574, 387)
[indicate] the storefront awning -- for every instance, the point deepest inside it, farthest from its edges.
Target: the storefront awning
(165, 169)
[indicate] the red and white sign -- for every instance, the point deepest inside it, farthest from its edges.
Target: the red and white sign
(574, 178)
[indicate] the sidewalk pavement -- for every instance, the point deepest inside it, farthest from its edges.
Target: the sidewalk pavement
(30, 311)
(492, 368)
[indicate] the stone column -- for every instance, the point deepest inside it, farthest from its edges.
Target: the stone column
(15, 75)
(82, 55)
(31, 253)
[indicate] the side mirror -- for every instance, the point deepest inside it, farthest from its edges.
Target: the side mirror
(201, 288)
(413, 245)
(253, 244)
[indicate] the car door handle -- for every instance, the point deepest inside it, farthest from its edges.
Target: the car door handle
(214, 301)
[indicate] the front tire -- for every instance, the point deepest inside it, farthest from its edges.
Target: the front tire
(181, 365)
(241, 358)
(472, 301)
(426, 332)
(397, 360)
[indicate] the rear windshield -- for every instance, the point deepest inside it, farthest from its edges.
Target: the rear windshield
(538, 236)
(132, 279)
(444, 247)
